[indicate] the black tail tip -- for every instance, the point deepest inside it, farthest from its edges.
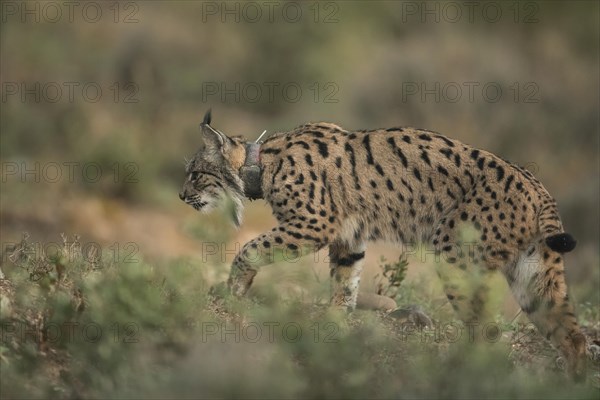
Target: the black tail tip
(562, 242)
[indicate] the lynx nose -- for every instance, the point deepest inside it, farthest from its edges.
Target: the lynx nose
(182, 195)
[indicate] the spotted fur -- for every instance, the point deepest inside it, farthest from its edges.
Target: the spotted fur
(334, 188)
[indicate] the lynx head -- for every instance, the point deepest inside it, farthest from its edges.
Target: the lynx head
(212, 175)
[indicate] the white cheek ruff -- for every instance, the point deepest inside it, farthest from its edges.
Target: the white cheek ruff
(233, 206)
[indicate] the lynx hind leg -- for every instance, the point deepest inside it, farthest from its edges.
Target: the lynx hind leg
(464, 275)
(537, 281)
(346, 263)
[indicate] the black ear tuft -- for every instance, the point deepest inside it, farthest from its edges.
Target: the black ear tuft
(207, 117)
(562, 242)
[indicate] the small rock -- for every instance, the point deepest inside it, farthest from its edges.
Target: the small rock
(414, 314)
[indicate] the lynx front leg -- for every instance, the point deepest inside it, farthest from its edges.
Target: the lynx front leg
(346, 263)
(285, 242)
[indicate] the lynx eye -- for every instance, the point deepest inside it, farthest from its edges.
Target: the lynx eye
(194, 175)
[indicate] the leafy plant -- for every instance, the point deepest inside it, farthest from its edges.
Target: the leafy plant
(392, 275)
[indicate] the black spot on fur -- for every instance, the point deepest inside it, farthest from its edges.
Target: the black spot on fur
(499, 173)
(457, 160)
(367, 144)
(398, 151)
(480, 163)
(430, 183)
(417, 174)
(446, 140)
(323, 149)
(439, 206)
(425, 157)
(309, 160)
(508, 182)
(271, 151)
(447, 152)
(317, 133)
(302, 143)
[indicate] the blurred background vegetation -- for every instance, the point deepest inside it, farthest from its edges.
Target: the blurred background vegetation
(159, 65)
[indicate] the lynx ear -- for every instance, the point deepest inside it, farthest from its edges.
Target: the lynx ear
(212, 138)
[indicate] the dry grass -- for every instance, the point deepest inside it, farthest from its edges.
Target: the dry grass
(162, 335)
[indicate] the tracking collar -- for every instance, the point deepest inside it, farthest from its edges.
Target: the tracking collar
(251, 172)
